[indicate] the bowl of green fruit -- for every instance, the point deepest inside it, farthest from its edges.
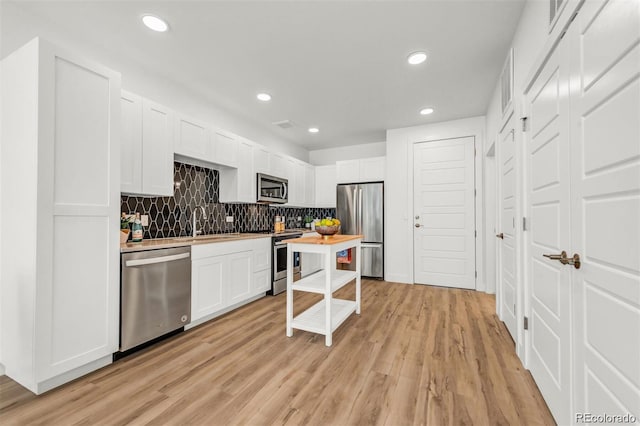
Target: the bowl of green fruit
(328, 227)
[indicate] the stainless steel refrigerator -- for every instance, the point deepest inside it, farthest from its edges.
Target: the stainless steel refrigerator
(360, 208)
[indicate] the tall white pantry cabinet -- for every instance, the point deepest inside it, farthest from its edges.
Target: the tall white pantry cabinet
(60, 207)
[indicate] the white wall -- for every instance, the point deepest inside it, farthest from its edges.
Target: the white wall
(531, 43)
(323, 157)
(399, 192)
(18, 27)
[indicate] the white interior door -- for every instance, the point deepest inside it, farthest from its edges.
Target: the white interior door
(605, 147)
(548, 204)
(444, 213)
(507, 273)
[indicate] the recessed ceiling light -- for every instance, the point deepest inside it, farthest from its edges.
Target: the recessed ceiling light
(264, 97)
(154, 23)
(417, 58)
(426, 111)
(313, 130)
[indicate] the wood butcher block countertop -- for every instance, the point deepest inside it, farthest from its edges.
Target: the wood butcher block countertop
(334, 239)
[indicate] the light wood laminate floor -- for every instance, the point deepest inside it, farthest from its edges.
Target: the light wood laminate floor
(416, 355)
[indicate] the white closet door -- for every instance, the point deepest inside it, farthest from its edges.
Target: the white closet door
(605, 147)
(507, 243)
(444, 225)
(548, 203)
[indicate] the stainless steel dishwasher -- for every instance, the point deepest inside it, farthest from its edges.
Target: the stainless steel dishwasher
(155, 296)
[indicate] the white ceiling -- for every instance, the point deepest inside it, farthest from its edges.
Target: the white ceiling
(337, 65)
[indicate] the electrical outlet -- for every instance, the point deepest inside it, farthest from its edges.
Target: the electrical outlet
(144, 219)
(229, 219)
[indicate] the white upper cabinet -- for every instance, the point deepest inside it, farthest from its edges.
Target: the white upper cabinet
(192, 138)
(348, 171)
(261, 159)
(363, 170)
(131, 143)
(225, 148)
(279, 166)
(239, 184)
(309, 185)
(146, 147)
(157, 149)
(372, 169)
(325, 184)
(296, 183)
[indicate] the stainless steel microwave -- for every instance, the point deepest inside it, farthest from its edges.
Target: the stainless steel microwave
(272, 189)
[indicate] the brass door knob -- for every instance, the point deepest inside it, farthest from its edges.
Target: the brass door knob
(562, 258)
(500, 235)
(417, 225)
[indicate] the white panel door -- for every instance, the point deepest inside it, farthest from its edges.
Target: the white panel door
(240, 276)
(225, 149)
(131, 143)
(605, 148)
(78, 279)
(507, 291)
(548, 205)
(444, 213)
(348, 171)
(208, 278)
(157, 147)
(325, 184)
(192, 139)
(261, 159)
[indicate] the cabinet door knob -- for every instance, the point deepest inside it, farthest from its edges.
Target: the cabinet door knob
(500, 235)
(417, 225)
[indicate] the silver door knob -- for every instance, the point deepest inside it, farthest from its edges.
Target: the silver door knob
(417, 225)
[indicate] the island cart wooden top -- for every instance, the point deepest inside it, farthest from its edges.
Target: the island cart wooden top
(333, 239)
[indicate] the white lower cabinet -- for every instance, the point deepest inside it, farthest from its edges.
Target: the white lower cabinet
(207, 288)
(240, 275)
(261, 281)
(226, 275)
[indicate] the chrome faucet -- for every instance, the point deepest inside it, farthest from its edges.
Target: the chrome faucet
(193, 219)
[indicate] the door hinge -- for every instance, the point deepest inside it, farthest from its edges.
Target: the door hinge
(476, 274)
(475, 234)
(524, 224)
(524, 123)
(475, 192)
(526, 323)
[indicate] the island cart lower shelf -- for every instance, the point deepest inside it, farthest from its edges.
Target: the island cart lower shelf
(327, 315)
(314, 318)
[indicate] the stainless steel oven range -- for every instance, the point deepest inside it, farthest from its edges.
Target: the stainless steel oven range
(279, 264)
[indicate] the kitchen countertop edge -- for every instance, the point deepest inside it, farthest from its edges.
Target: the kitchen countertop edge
(160, 243)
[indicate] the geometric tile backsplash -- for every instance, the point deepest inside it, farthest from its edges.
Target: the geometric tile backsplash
(171, 217)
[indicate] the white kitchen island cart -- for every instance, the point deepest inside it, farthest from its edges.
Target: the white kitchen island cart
(327, 315)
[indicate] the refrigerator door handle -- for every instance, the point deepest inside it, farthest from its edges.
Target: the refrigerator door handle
(360, 211)
(355, 209)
